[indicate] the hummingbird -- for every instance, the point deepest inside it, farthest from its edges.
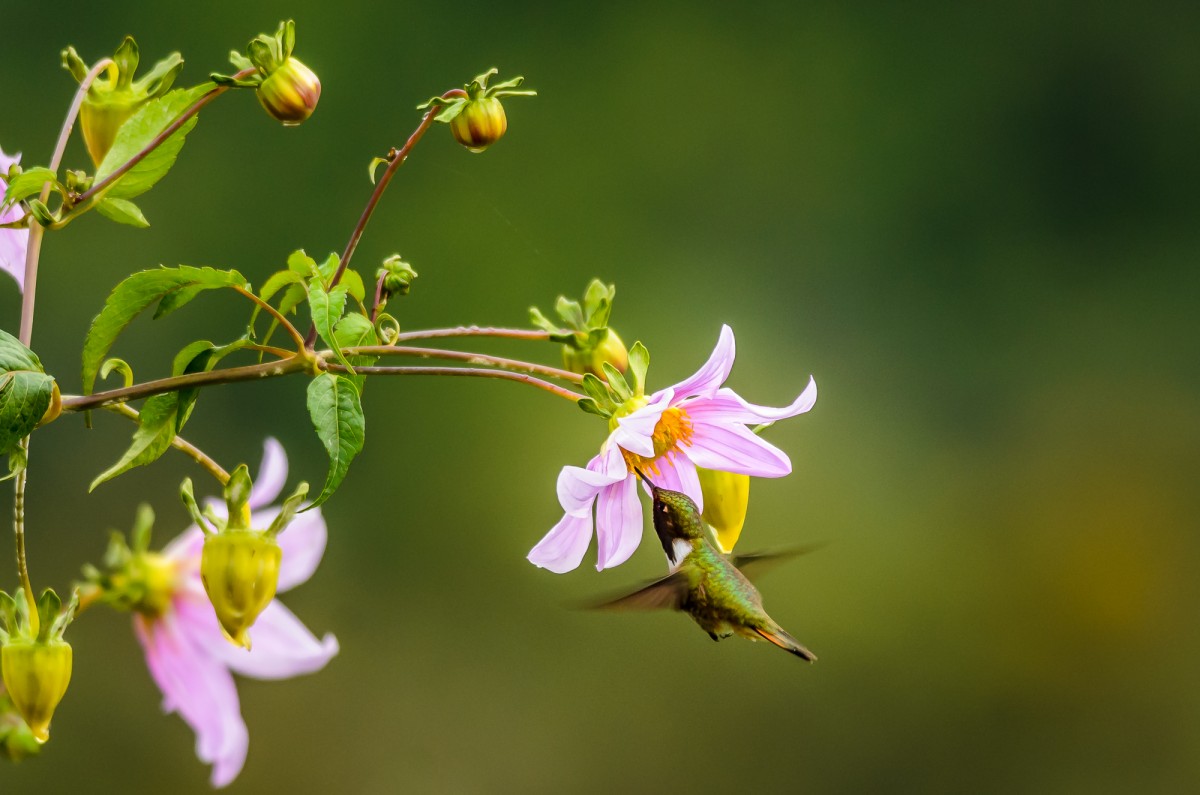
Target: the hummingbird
(704, 583)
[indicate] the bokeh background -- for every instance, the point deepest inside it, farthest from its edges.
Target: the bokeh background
(975, 225)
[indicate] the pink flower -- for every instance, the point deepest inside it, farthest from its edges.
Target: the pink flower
(695, 423)
(190, 660)
(13, 242)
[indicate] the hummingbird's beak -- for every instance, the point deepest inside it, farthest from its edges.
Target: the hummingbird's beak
(645, 479)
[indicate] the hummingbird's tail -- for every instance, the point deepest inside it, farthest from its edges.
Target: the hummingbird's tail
(775, 634)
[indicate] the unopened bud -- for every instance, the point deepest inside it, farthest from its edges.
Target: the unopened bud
(240, 571)
(36, 675)
(290, 92)
(590, 357)
(726, 496)
(479, 124)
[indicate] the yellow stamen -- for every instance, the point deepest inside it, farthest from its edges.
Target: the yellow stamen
(674, 428)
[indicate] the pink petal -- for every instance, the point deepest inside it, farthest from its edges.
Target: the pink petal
(272, 474)
(728, 406)
(714, 372)
(635, 432)
(679, 474)
(186, 547)
(282, 647)
(618, 523)
(199, 688)
(734, 448)
(13, 242)
(302, 543)
(563, 547)
(577, 487)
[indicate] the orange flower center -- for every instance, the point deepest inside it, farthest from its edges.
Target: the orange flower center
(674, 428)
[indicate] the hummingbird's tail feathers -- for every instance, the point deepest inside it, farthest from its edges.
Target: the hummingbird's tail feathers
(785, 641)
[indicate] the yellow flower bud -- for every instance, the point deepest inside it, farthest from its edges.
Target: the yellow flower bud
(100, 119)
(591, 358)
(479, 124)
(36, 676)
(240, 571)
(726, 496)
(290, 93)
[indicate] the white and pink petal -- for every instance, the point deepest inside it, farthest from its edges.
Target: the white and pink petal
(618, 523)
(563, 548)
(735, 448)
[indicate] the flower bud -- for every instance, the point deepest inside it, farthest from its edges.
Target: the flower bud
(726, 495)
(590, 357)
(479, 124)
(290, 92)
(36, 675)
(240, 571)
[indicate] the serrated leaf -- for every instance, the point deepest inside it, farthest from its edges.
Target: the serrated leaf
(354, 284)
(355, 331)
(327, 309)
(24, 397)
(122, 211)
(29, 183)
(156, 429)
(337, 416)
(129, 298)
(138, 131)
(15, 356)
(301, 263)
(329, 267)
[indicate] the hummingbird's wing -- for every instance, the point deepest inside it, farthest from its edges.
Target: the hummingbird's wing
(754, 564)
(668, 593)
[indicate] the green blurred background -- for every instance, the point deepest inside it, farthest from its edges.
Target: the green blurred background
(975, 225)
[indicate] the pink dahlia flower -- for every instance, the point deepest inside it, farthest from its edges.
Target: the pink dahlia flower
(13, 242)
(191, 661)
(696, 423)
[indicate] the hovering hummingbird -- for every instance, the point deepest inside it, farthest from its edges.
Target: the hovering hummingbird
(704, 583)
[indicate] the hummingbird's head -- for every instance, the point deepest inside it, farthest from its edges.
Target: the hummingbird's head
(676, 516)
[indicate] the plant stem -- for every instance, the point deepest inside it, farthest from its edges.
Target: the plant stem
(250, 372)
(465, 356)
(395, 160)
(275, 313)
(170, 130)
(179, 443)
(473, 331)
(19, 531)
(462, 371)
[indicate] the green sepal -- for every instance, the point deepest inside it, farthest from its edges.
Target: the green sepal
(639, 362)
(122, 211)
(9, 611)
(137, 133)
(616, 382)
(64, 617)
(143, 523)
(599, 392)
(591, 407)
(133, 295)
(155, 431)
(570, 311)
(189, 501)
(336, 412)
(288, 511)
(237, 497)
(48, 605)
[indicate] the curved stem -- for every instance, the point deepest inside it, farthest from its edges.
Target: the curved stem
(250, 372)
(275, 313)
(170, 130)
(469, 372)
(464, 356)
(179, 443)
(36, 231)
(395, 160)
(473, 331)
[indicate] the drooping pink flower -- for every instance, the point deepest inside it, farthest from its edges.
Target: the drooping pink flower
(191, 661)
(696, 423)
(13, 242)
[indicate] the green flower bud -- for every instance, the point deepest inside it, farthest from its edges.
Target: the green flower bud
(36, 675)
(240, 571)
(726, 496)
(479, 124)
(290, 93)
(591, 356)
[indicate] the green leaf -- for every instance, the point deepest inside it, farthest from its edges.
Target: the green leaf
(354, 331)
(327, 309)
(136, 133)
(29, 183)
(24, 397)
(15, 356)
(135, 294)
(599, 392)
(639, 362)
(570, 312)
(329, 267)
(122, 211)
(156, 429)
(277, 281)
(337, 416)
(354, 284)
(301, 263)
(616, 382)
(591, 407)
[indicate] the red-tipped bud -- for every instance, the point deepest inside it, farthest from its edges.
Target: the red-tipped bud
(290, 93)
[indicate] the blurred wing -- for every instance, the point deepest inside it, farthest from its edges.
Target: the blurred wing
(668, 593)
(754, 564)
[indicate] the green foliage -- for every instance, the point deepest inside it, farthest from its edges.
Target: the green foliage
(355, 331)
(122, 211)
(25, 394)
(155, 431)
(327, 308)
(172, 287)
(336, 412)
(639, 362)
(142, 128)
(29, 183)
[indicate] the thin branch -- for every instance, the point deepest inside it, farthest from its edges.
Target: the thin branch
(463, 356)
(179, 443)
(473, 331)
(275, 313)
(469, 372)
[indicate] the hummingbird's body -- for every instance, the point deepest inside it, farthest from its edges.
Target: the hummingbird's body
(704, 583)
